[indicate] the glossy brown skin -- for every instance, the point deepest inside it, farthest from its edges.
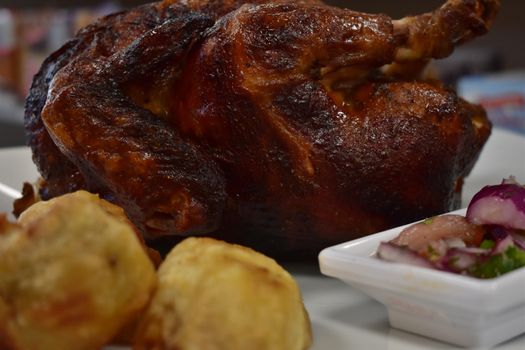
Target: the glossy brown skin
(271, 125)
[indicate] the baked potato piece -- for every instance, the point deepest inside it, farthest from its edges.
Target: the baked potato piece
(72, 273)
(215, 295)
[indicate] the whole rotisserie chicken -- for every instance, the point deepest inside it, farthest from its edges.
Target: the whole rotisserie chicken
(283, 125)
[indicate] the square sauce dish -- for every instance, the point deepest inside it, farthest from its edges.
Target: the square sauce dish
(453, 308)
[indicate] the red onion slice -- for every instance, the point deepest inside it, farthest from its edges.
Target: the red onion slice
(455, 242)
(502, 246)
(394, 253)
(499, 205)
(459, 260)
(474, 250)
(519, 240)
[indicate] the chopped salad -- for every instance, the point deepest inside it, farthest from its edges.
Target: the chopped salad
(486, 243)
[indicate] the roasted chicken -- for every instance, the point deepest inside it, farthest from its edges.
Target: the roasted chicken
(286, 126)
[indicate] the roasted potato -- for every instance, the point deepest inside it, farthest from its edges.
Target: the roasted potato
(215, 295)
(72, 273)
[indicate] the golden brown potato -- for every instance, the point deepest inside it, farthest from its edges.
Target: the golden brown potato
(39, 209)
(214, 295)
(71, 275)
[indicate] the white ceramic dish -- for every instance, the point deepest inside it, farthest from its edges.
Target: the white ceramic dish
(457, 309)
(342, 317)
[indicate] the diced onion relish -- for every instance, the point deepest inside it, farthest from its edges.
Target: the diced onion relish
(454, 244)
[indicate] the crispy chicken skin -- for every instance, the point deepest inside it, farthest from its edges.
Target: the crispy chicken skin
(283, 125)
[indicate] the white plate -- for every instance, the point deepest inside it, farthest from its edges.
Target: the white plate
(342, 317)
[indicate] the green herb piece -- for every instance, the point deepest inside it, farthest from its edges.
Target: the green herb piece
(513, 258)
(432, 253)
(428, 221)
(487, 244)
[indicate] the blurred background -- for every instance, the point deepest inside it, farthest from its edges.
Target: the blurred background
(490, 70)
